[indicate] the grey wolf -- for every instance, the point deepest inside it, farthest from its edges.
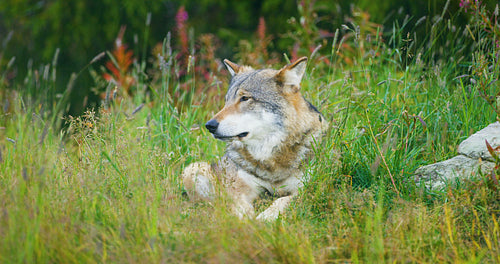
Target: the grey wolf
(269, 128)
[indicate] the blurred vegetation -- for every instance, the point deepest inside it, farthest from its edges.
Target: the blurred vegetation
(36, 33)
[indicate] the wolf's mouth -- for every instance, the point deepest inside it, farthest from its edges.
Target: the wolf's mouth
(242, 135)
(239, 136)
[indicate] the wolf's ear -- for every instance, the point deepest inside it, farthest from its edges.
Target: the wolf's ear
(292, 74)
(232, 67)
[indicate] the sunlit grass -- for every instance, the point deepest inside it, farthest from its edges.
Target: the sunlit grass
(105, 187)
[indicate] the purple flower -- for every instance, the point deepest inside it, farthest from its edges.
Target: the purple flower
(181, 16)
(465, 4)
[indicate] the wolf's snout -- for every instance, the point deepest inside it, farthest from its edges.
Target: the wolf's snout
(212, 125)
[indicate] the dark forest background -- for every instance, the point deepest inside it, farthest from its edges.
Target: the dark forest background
(33, 32)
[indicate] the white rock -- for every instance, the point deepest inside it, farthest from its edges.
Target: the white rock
(475, 146)
(473, 158)
(438, 175)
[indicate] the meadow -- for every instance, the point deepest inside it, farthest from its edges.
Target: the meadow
(104, 186)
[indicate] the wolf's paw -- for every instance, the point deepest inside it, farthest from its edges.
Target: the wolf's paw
(268, 215)
(274, 211)
(197, 180)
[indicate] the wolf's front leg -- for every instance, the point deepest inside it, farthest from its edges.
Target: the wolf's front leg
(243, 189)
(243, 208)
(277, 208)
(198, 180)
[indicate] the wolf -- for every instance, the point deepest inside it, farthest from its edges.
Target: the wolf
(269, 128)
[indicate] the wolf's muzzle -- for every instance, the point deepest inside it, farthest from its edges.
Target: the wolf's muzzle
(212, 125)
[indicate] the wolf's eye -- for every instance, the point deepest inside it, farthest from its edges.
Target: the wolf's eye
(244, 98)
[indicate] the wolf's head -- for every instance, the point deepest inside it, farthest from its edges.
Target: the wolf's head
(259, 103)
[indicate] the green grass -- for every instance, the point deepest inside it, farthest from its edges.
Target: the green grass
(105, 187)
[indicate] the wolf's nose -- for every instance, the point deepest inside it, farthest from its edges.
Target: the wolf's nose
(212, 125)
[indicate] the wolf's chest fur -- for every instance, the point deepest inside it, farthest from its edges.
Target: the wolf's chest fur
(274, 162)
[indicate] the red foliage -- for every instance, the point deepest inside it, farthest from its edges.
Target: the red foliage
(180, 19)
(120, 67)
